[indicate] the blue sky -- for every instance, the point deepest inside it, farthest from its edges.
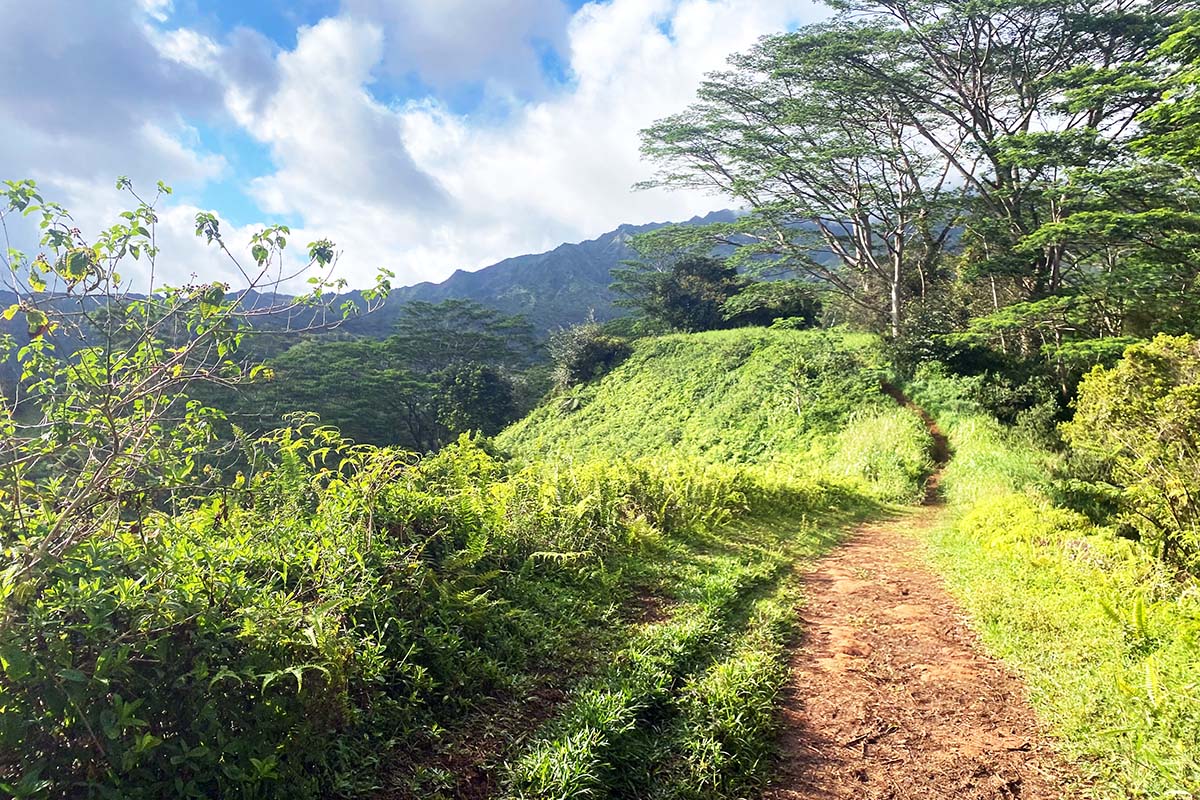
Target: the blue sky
(420, 135)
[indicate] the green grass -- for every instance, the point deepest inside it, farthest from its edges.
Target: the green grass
(750, 395)
(1106, 640)
(686, 709)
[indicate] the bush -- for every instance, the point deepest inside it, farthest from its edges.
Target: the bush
(1140, 423)
(765, 302)
(585, 352)
(262, 644)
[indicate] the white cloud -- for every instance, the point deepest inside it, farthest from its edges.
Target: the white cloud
(185, 46)
(156, 9)
(415, 186)
(94, 98)
(452, 41)
(424, 191)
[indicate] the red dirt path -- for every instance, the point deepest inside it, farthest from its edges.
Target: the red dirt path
(891, 696)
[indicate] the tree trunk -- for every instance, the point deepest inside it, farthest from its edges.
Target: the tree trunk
(895, 304)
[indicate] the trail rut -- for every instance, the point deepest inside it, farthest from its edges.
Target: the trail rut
(891, 695)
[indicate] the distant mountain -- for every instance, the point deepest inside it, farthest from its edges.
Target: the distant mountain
(551, 289)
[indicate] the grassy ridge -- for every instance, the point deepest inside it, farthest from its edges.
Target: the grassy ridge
(749, 395)
(1106, 640)
(801, 402)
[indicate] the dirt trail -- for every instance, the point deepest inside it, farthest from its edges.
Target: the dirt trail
(891, 695)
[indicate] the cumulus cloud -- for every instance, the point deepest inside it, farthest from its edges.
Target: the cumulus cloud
(453, 41)
(424, 190)
(569, 162)
(413, 185)
(91, 77)
(103, 93)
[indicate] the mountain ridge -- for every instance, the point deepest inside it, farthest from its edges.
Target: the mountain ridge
(552, 289)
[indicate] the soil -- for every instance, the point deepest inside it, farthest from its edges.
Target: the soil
(469, 758)
(891, 695)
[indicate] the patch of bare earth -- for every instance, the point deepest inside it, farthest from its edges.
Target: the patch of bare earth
(470, 757)
(891, 696)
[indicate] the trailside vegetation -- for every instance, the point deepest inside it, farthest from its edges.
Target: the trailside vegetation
(1105, 634)
(332, 614)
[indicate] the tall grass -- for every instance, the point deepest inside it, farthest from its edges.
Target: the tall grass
(887, 452)
(742, 396)
(1107, 641)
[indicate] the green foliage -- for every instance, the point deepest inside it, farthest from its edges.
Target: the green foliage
(340, 591)
(98, 438)
(1139, 423)
(688, 294)
(687, 708)
(766, 302)
(729, 711)
(474, 397)
(272, 638)
(1173, 126)
(888, 451)
(1107, 644)
(354, 385)
(585, 352)
(448, 368)
(1106, 638)
(742, 396)
(430, 337)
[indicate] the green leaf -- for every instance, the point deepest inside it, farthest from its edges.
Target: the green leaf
(72, 675)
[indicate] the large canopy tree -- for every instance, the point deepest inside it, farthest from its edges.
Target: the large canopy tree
(866, 147)
(827, 164)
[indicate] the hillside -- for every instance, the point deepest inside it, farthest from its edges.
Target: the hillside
(805, 400)
(352, 591)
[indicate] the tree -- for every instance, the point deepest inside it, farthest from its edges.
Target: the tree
(870, 147)
(685, 294)
(825, 161)
(475, 397)
(432, 336)
(764, 302)
(353, 384)
(1002, 77)
(103, 431)
(1127, 223)
(1140, 422)
(448, 368)
(585, 352)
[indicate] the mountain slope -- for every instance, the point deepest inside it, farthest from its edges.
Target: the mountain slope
(552, 289)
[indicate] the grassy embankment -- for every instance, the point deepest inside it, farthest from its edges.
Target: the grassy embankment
(1106, 639)
(348, 618)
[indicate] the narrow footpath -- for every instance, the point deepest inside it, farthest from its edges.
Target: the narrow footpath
(891, 695)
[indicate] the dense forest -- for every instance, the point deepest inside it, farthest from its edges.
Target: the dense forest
(256, 546)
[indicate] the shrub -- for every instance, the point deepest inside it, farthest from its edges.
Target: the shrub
(765, 302)
(261, 644)
(585, 352)
(1140, 423)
